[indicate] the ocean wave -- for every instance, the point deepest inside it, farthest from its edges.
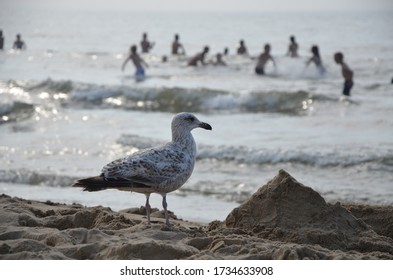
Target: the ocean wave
(47, 85)
(261, 157)
(51, 86)
(163, 99)
(15, 111)
(31, 177)
(252, 156)
(195, 100)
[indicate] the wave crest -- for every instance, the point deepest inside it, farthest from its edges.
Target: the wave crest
(245, 155)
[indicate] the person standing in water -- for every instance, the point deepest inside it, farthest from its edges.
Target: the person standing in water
(19, 44)
(263, 59)
(138, 62)
(242, 49)
(146, 45)
(346, 72)
(316, 59)
(293, 47)
(177, 46)
(1, 40)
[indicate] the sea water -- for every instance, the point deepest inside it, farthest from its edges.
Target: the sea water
(67, 109)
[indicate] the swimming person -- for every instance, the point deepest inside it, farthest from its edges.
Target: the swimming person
(138, 62)
(176, 46)
(219, 61)
(242, 49)
(293, 47)
(316, 58)
(19, 44)
(346, 72)
(146, 45)
(199, 57)
(263, 59)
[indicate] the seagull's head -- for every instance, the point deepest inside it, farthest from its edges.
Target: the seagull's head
(185, 122)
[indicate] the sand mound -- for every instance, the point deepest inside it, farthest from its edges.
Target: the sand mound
(282, 220)
(380, 218)
(288, 211)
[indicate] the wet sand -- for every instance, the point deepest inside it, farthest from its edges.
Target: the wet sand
(283, 220)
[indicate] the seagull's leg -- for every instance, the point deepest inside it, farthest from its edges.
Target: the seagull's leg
(164, 204)
(147, 205)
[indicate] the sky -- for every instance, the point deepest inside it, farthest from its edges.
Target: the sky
(207, 5)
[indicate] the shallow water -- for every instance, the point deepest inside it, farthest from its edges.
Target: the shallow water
(66, 109)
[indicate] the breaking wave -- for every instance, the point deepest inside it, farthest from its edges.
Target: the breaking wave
(245, 155)
(80, 95)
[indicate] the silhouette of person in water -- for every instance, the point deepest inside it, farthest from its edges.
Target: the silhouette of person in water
(263, 59)
(200, 57)
(226, 51)
(177, 46)
(242, 49)
(1, 40)
(19, 44)
(316, 59)
(293, 47)
(146, 45)
(346, 72)
(138, 62)
(219, 61)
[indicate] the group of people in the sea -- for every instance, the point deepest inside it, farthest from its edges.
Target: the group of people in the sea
(200, 58)
(18, 44)
(178, 49)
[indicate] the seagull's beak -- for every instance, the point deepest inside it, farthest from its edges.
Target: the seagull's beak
(205, 126)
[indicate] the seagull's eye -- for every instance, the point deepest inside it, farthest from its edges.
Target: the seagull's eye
(190, 118)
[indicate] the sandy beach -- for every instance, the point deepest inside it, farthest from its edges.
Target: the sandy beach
(283, 220)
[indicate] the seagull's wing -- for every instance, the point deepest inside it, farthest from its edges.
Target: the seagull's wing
(147, 168)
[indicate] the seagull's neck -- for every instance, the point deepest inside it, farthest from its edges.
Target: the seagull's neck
(182, 136)
(184, 139)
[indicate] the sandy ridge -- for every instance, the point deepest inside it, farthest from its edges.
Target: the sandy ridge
(283, 220)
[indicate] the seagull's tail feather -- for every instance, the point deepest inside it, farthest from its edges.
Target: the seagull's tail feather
(92, 184)
(99, 183)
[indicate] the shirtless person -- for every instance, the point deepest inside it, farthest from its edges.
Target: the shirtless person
(145, 44)
(219, 61)
(242, 49)
(263, 59)
(176, 46)
(1, 40)
(316, 58)
(292, 49)
(346, 72)
(137, 60)
(19, 44)
(199, 57)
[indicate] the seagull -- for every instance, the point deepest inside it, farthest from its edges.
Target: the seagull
(160, 169)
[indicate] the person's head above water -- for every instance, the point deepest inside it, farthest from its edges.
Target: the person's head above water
(315, 50)
(267, 48)
(338, 57)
